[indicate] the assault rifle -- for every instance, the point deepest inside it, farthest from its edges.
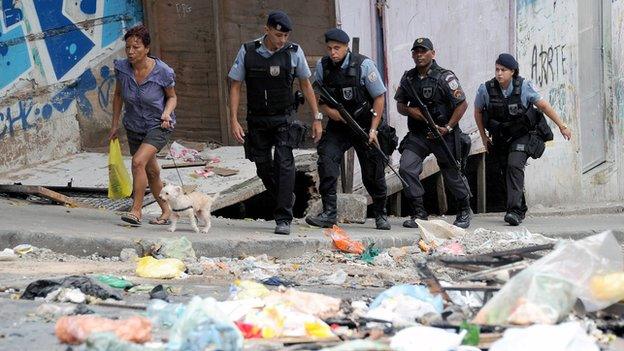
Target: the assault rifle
(433, 127)
(359, 132)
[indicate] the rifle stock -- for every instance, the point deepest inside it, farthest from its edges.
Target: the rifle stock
(359, 132)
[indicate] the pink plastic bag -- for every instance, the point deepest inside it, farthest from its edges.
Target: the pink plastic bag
(76, 329)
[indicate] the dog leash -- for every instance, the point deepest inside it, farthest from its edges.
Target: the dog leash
(179, 176)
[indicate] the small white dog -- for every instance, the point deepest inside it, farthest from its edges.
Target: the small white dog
(191, 205)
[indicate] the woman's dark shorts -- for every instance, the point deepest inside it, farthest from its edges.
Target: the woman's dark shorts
(157, 137)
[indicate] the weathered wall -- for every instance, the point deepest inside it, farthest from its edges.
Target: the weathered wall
(56, 75)
(548, 53)
(617, 79)
(455, 28)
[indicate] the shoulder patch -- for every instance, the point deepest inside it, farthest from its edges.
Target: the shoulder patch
(372, 76)
(458, 94)
(454, 84)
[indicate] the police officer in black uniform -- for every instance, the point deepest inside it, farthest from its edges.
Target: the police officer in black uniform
(507, 106)
(439, 89)
(354, 81)
(269, 65)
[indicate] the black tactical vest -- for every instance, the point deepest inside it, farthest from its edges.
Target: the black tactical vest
(269, 80)
(345, 85)
(505, 109)
(431, 92)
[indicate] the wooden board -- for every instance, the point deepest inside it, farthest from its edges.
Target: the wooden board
(183, 164)
(42, 192)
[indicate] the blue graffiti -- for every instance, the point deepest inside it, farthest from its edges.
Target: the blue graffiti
(65, 49)
(105, 89)
(14, 58)
(76, 92)
(8, 118)
(112, 31)
(11, 14)
(88, 6)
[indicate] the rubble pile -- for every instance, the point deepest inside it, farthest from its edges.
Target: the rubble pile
(458, 291)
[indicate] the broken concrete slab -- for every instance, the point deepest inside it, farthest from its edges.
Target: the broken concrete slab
(351, 208)
(90, 170)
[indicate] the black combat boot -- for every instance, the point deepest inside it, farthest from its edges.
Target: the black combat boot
(513, 218)
(327, 218)
(419, 213)
(381, 217)
(464, 215)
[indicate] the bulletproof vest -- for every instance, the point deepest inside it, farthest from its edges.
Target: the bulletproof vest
(269, 80)
(505, 109)
(433, 96)
(345, 84)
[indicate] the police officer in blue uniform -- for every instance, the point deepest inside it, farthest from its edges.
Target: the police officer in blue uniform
(440, 90)
(507, 106)
(354, 81)
(269, 65)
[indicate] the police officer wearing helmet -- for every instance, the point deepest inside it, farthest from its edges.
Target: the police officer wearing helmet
(354, 81)
(440, 90)
(269, 65)
(507, 106)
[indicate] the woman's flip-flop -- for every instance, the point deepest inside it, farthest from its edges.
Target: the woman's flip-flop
(160, 221)
(131, 218)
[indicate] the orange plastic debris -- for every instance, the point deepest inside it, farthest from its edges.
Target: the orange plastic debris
(76, 329)
(343, 242)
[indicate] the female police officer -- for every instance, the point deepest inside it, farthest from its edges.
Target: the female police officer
(507, 107)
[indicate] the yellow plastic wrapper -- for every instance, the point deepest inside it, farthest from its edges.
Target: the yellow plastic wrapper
(247, 289)
(318, 329)
(167, 268)
(609, 287)
(119, 181)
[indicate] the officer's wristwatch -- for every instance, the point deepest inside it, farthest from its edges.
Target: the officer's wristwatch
(318, 117)
(449, 128)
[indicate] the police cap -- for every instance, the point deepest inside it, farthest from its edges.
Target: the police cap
(422, 43)
(336, 34)
(280, 21)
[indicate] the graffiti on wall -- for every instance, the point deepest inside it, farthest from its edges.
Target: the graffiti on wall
(52, 42)
(548, 63)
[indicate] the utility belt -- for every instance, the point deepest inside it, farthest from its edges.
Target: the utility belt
(298, 100)
(267, 131)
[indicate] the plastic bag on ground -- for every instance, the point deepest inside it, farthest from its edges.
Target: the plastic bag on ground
(427, 339)
(563, 337)
(403, 304)
(343, 242)
(110, 342)
(547, 290)
(336, 278)
(318, 305)
(119, 181)
(203, 326)
(608, 287)
(246, 289)
(41, 288)
(114, 282)
(76, 329)
(436, 231)
(167, 268)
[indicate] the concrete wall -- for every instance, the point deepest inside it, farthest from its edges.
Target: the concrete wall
(454, 28)
(617, 91)
(548, 53)
(56, 76)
